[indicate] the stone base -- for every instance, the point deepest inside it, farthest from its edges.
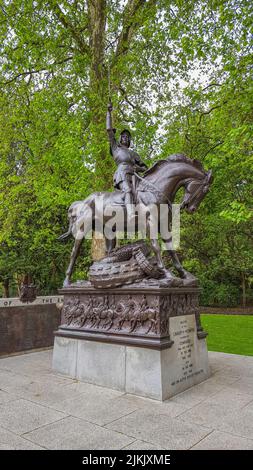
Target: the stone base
(157, 374)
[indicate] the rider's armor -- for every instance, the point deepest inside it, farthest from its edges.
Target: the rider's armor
(128, 161)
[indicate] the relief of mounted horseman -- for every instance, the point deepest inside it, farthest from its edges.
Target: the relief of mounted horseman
(158, 185)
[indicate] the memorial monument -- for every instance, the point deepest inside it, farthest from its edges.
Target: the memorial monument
(134, 326)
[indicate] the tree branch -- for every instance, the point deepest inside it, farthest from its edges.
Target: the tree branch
(204, 113)
(83, 47)
(211, 85)
(212, 148)
(130, 24)
(134, 106)
(31, 72)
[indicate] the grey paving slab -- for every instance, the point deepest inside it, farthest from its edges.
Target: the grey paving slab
(227, 356)
(96, 409)
(48, 394)
(209, 414)
(240, 423)
(74, 433)
(230, 397)
(248, 408)
(160, 429)
(21, 416)
(168, 407)
(90, 389)
(243, 370)
(195, 395)
(244, 384)
(25, 446)
(222, 378)
(216, 364)
(232, 364)
(142, 445)
(37, 371)
(42, 358)
(97, 406)
(223, 441)
(11, 382)
(10, 441)
(6, 397)
(34, 366)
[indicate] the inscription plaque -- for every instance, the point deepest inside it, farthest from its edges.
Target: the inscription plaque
(189, 364)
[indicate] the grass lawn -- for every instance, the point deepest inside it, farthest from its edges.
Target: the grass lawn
(229, 333)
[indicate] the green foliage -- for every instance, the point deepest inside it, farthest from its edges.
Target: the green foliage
(219, 294)
(180, 80)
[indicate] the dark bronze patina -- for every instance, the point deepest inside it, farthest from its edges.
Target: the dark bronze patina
(125, 265)
(128, 162)
(159, 185)
(130, 296)
(133, 315)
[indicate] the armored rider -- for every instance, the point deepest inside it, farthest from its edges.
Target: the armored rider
(127, 160)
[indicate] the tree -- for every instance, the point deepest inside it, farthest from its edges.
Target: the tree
(177, 71)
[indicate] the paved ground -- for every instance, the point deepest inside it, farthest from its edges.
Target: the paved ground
(42, 410)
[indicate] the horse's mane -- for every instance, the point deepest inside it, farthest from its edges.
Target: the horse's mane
(154, 167)
(175, 157)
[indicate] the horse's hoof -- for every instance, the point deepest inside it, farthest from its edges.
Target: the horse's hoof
(172, 282)
(177, 282)
(190, 282)
(66, 283)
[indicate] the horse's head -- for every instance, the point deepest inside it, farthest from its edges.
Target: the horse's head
(195, 191)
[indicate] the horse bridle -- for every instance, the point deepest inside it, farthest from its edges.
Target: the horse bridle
(195, 194)
(150, 186)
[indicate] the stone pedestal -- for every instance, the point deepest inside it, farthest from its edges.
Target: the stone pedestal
(142, 339)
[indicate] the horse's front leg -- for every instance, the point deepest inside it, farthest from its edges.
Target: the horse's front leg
(154, 241)
(171, 280)
(74, 254)
(190, 279)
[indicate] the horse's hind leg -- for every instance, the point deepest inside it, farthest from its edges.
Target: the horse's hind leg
(174, 281)
(110, 244)
(74, 254)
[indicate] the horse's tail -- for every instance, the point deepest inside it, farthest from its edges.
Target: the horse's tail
(76, 214)
(65, 235)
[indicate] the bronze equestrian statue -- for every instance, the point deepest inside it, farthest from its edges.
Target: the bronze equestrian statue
(158, 185)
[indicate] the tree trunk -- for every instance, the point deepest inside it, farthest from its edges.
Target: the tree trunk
(98, 95)
(6, 288)
(243, 290)
(98, 100)
(27, 279)
(97, 248)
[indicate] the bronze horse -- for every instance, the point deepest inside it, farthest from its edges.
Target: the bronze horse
(158, 186)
